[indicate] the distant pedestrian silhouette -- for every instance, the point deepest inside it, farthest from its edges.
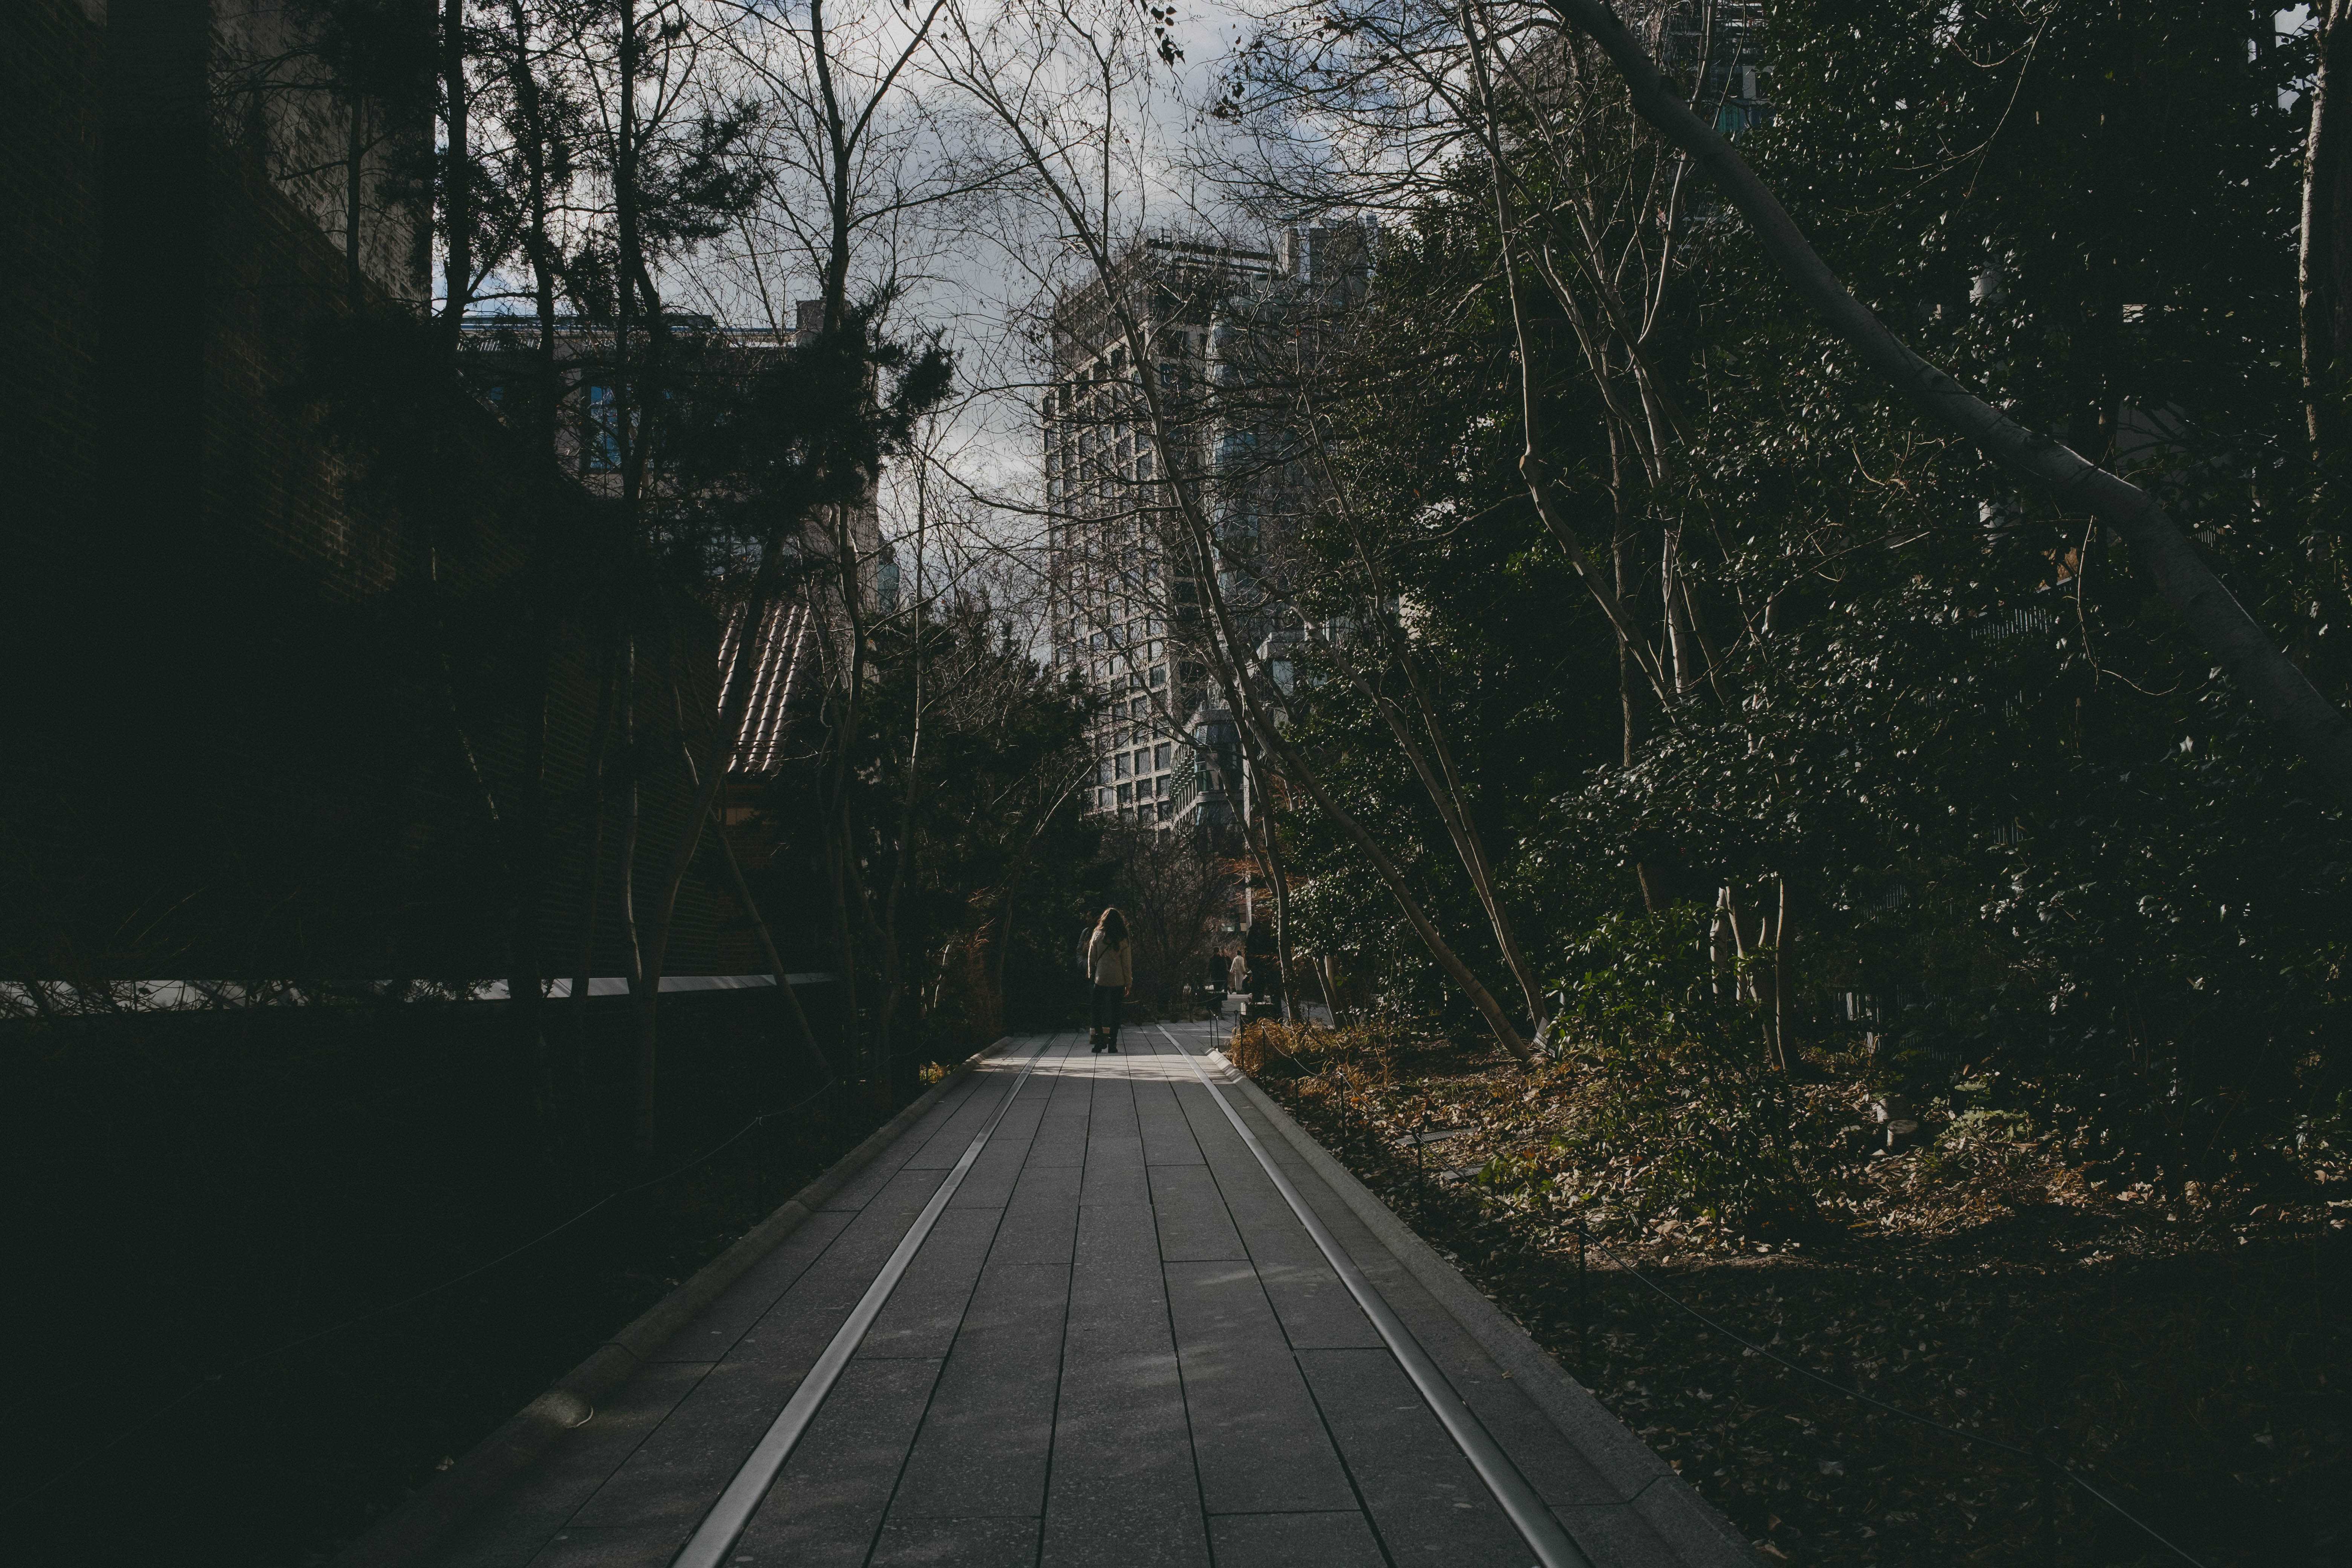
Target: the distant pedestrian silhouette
(1111, 968)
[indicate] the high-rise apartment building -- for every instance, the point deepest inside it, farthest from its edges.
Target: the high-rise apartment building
(1119, 577)
(1716, 46)
(1126, 596)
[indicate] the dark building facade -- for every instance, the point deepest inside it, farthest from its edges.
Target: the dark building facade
(258, 554)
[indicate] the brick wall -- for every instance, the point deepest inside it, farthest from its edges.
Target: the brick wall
(50, 179)
(51, 59)
(270, 84)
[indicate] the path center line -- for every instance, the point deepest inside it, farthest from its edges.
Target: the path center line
(1528, 1513)
(727, 1518)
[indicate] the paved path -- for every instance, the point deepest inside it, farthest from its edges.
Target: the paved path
(1118, 1346)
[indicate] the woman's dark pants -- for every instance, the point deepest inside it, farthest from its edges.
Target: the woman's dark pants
(1103, 1019)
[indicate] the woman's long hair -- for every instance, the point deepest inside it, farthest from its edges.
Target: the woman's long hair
(1113, 926)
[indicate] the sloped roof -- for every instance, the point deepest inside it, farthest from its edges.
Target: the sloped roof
(786, 652)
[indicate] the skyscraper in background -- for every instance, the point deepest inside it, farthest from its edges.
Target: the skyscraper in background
(1716, 47)
(1116, 578)
(1125, 598)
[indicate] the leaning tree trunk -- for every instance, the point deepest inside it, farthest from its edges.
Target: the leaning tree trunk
(2323, 269)
(761, 929)
(355, 178)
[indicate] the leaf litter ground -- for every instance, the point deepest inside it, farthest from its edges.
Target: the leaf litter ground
(2191, 1360)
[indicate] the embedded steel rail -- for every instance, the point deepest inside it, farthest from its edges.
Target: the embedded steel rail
(729, 1517)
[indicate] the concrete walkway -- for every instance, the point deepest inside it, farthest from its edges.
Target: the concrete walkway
(1118, 1346)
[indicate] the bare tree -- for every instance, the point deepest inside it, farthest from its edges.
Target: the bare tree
(1017, 67)
(1173, 885)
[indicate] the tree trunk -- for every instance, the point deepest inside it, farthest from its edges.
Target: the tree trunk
(1258, 830)
(456, 175)
(525, 978)
(2323, 268)
(1681, 646)
(632, 822)
(354, 170)
(1278, 884)
(649, 933)
(1720, 962)
(852, 897)
(539, 610)
(1655, 893)
(1783, 958)
(597, 799)
(743, 891)
(893, 976)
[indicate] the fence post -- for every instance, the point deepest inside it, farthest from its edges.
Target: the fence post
(1420, 1151)
(1584, 1301)
(2047, 1488)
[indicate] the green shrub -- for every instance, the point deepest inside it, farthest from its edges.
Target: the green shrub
(1673, 1102)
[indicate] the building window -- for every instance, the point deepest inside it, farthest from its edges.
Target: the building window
(1166, 809)
(1159, 755)
(1120, 762)
(1159, 675)
(1126, 794)
(604, 442)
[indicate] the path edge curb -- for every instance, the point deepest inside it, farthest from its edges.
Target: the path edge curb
(1699, 1532)
(487, 1467)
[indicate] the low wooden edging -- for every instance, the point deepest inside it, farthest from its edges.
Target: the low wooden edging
(1691, 1527)
(492, 1464)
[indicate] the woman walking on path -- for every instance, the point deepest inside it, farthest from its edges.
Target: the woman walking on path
(1111, 965)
